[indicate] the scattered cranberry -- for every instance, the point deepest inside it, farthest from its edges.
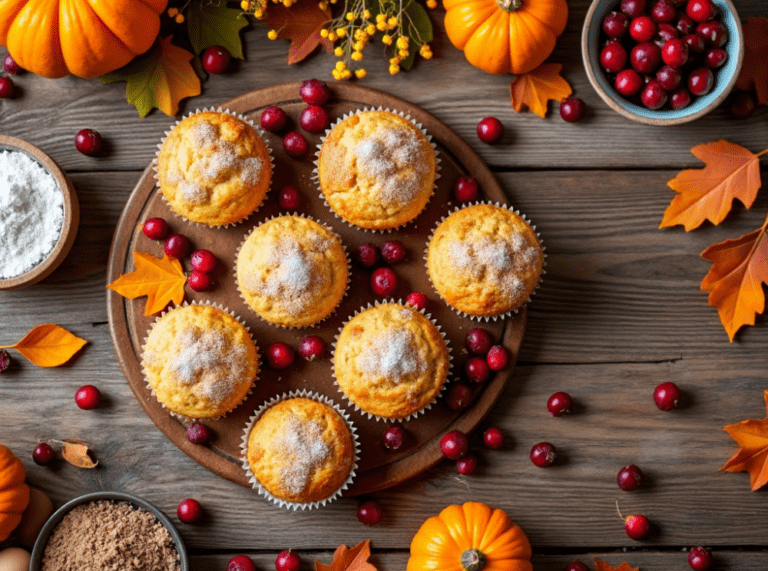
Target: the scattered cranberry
(202, 261)
(572, 109)
(466, 466)
(314, 119)
(216, 60)
(5, 360)
(295, 145)
(613, 58)
(701, 81)
(666, 396)
(273, 119)
(663, 12)
(288, 560)
(675, 52)
(685, 25)
(493, 438)
(700, 10)
(576, 566)
(490, 130)
(155, 228)
(289, 198)
(454, 445)
(653, 96)
(637, 526)
(465, 189)
(177, 246)
(695, 43)
(393, 251)
(680, 99)
(10, 66)
(280, 355)
(642, 29)
(615, 25)
(743, 105)
(43, 454)
(368, 255)
(714, 33)
(314, 92)
(700, 559)
(383, 282)
(497, 358)
(199, 281)
(645, 57)
(477, 369)
(629, 478)
(189, 510)
(312, 347)
(241, 563)
(633, 8)
(669, 77)
(88, 397)
(560, 404)
(664, 33)
(418, 300)
(369, 513)
(459, 396)
(88, 142)
(478, 341)
(628, 82)
(198, 433)
(6, 88)
(543, 454)
(394, 437)
(715, 58)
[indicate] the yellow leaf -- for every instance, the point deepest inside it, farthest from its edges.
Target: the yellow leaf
(48, 345)
(78, 454)
(355, 559)
(535, 88)
(162, 281)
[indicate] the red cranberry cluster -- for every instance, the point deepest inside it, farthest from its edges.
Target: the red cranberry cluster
(281, 355)
(7, 87)
(663, 52)
(384, 280)
(487, 357)
(455, 446)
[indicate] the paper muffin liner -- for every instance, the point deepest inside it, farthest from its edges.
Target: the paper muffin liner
(346, 255)
(438, 394)
(184, 418)
(256, 485)
(401, 114)
(506, 314)
(262, 135)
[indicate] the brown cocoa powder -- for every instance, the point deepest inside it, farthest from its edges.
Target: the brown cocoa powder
(110, 536)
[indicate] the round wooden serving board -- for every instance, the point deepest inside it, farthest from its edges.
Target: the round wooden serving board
(378, 468)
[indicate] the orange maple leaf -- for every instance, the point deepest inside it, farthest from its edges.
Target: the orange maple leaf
(707, 194)
(752, 457)
(603, 566)
(739, 268)
(355, 559)
(301, 23)
(754, 70)
(535, 88)
(162, 281)
(48, 345)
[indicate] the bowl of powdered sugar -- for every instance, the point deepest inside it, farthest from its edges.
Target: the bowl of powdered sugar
(39, 214)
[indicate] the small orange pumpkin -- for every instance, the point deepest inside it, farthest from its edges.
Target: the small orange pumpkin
(87, 38)
(14, 493)
(505, 36)
(471, 537)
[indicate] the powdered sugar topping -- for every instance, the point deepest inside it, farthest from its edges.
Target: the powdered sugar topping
(302, 446)
(393, 355)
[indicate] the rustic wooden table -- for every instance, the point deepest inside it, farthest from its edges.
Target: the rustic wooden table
(619, 312)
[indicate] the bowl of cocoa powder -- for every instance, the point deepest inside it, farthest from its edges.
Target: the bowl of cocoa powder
(109, 531)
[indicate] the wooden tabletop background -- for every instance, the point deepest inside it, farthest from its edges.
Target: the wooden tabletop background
(620, 311)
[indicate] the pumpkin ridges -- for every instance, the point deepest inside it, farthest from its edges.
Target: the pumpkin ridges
(138, 32)
(509, 545)
(432, 538)
(454, 521)
(539, 40)
(14, 493)
(493, 32)
(462, 21)
(509, 565)
(33, 39)
(477, 516)
(9, 9)
(498, 523)
(551, 13)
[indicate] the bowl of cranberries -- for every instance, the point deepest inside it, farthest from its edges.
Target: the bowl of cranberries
(662, 62)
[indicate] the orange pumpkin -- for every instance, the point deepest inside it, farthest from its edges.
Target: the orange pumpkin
(87, 38)
(14, 493)
(505, 36)
(472, 537)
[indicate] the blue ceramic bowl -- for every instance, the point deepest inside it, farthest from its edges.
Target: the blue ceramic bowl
(725, 77)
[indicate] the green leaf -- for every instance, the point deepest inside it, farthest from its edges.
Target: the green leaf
(419, 29)
(213, 24)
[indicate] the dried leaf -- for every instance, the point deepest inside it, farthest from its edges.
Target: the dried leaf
(752, 457)
(706, 194)
(754, 70)
(78, 454)
(48, 345)
(301, 23)
(162, 281)
(535, 88)
(739, 269)
(355, 559)
(603, 566)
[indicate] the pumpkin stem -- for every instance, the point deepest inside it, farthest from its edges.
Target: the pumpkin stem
(510, 5)
(473, 560)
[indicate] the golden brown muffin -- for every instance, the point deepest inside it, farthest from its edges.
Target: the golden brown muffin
(376, 170)
(484, 260)
(200, 361)
(301, 450)
(214, 168)
(292, 271)
(391, 361)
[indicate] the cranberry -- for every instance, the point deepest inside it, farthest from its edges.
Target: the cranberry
(279, 355)
(88, 397)
(311, 347)
(637, 526)
(393, 251)
(700, 559)
(10, 66)
(700, 10)
(695, 43)
(177, 246)
(289, 198)
(216, 60)
(241, 563)
(663, 12)
(642, 29)
(669, 77)
(633, 8)
(493, 438)
(287, 561)
(454, 445)
(497, 358)
(675, 52)
(715, 58)
(629, 478)
(418, 300)
(653, 96)
(490, 130)
(202, 261)
(189, 510)
(664, 33)
(478, 341)
(576, 566)
(477, 369)
(199, 281)
(155, 228)
(273, 119)
(743, 105)
(543, 454)
(466, 466)
(5, 360)
(383, 282)
(666, 396)
(314, 119)
(615, 25)
(684, 25)
(714, 33)
(459, 396)
(465, 189)
(394, 437)
(613, 58)
(88, 142)
(368, 255)
(701, 81)
(198, 433)
(572, 109)
(314, 92)
(559, 404)
(6, 88)
(680, 99)
(645, 57)
(43, 454)
(628, 82)
(369, 513)
(295, 145)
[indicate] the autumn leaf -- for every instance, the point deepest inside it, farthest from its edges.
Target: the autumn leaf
(160, 78)
(754, 70)
(215, 25)
(162, 281)
(706, 194)
(355, 559)
(734, 281)
(301, 23)
(603, 566)
(535, 88)
(752, 457)
(48, 345)
(77, 453)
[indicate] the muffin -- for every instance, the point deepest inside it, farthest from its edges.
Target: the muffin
(391, 361)
(292, 271)
(301, 450)
(376, 170)
(199, 361)
(484, 260)
(214, 168)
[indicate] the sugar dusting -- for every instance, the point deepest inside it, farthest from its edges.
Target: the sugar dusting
(301, 445)
(393, 355)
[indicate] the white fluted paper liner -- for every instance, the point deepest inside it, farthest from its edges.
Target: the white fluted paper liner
(316, 176)
(243, 118)
(416, 413)
(184, 418)
(504, 315)
(333, 233)
(256, 485)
